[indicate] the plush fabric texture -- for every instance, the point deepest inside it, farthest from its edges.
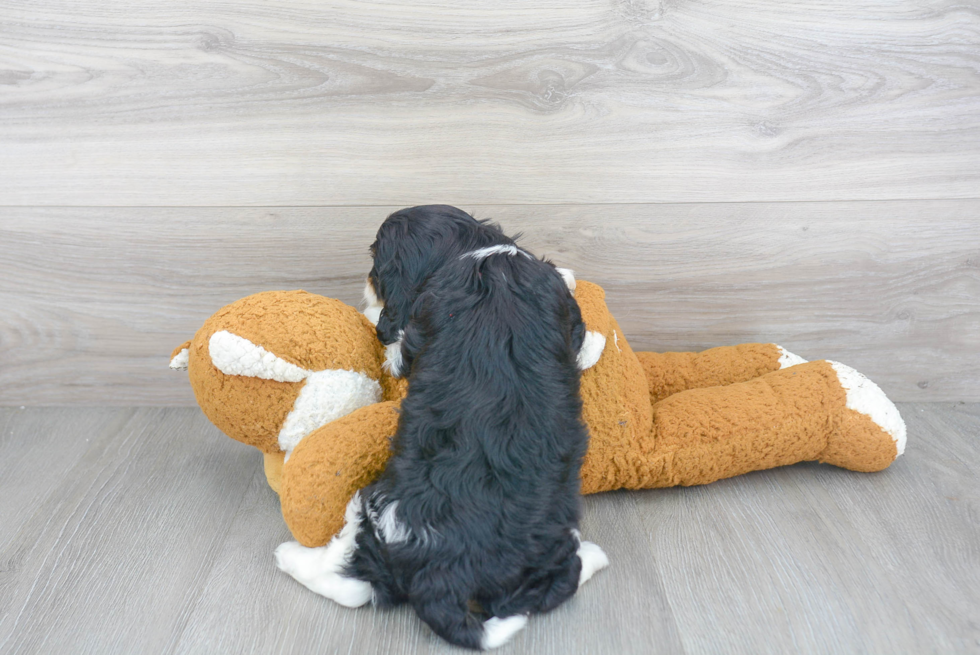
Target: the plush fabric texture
(655, 419)
(329, 466)
(310, 331)
(615, 403)
(272, 463)
(669, 373)
(784, 417)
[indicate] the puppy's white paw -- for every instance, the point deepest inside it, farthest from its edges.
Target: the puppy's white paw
(497, 631)
(593, 559)
(321, 571)
(303, 563)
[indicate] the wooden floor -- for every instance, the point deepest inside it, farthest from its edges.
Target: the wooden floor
(145, 530)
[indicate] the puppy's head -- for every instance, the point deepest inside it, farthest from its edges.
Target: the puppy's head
(410, 246)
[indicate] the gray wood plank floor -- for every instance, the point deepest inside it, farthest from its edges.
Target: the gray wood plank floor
(145, 530)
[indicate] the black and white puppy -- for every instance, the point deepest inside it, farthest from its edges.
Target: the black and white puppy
(474, 521)
(413, 244)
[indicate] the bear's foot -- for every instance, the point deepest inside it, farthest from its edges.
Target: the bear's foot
(872, 433)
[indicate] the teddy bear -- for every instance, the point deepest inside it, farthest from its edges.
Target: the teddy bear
(301, 377)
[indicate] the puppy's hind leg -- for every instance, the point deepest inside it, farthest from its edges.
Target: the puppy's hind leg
(451, 619)
(442, 601)
(592, 557)
(556, 580)
(321, 570)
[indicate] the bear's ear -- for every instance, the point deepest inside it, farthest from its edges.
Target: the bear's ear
(180, 356)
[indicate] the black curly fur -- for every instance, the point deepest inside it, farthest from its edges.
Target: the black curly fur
(484, 478)
(411, 245)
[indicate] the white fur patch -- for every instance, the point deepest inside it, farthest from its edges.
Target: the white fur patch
(593, 559)
(320, 569)
(373, 306)
(393, 357)
(591, 350)
(568, 275)
(391, 530)
(483, 253)
(866, 397)
(235, 355)
(787, 359)
(497, 631)
(181, 360)
(326, 396)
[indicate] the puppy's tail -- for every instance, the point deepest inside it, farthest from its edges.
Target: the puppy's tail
(452, 620)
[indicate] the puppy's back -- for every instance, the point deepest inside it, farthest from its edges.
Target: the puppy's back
(485, 472)
(493, 408)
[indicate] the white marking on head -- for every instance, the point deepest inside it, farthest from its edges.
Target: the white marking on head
(592, 347)
(866, 397)
(321, 569)
(593, 559)
(326, 396)
(616, 341)
(393, 357)
(568, 275)
(373, 306)
(483, 253)
(497, 631)
(181, 360)
(235, 355)
(787, 359)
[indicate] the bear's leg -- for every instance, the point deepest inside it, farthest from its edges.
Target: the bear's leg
(673, 372)
(329, 466)
(816, 411)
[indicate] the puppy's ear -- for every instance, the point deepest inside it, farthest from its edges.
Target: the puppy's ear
(576, 324)
(420, 327)
(392, 288)
(387, 329)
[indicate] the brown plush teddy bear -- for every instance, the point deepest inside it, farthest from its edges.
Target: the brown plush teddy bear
(300, 377)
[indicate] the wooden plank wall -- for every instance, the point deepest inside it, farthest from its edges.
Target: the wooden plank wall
(730, 172)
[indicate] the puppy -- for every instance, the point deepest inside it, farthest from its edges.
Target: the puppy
(410, 246)
(474, 521)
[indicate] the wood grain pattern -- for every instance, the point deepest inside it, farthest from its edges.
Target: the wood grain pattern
(157, 537)
(827, 560)
(113, 557)
(303, 103)
(95, 299)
